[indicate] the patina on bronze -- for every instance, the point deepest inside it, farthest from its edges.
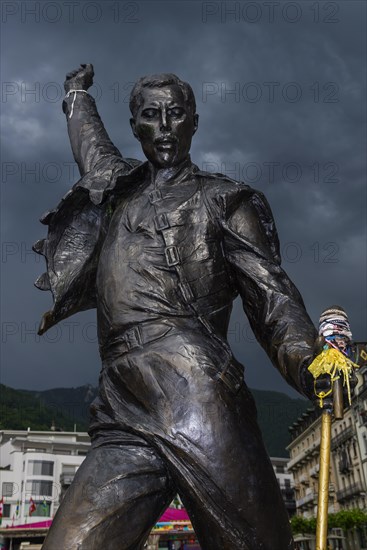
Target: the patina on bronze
(161, 249)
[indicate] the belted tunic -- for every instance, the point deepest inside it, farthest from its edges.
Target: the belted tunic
(186, 247)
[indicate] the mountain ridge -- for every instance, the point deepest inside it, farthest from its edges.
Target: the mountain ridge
(68, 409)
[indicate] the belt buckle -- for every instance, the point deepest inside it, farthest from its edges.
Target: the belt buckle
(155, 196)
(133, 338)
(161, 221)
(172, 256)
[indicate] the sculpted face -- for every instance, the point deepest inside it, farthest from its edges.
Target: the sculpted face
(164, 125)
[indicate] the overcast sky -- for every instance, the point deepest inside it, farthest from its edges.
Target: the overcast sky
(280, 90)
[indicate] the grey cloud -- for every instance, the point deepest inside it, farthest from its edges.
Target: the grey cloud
(325, 60)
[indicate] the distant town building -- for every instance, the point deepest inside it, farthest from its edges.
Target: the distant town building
(35, 470)
(286, 483)
(348, 471)
(360, 416)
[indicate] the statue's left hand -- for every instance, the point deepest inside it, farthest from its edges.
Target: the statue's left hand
(323, 383)
(79, 79)
(307, 380)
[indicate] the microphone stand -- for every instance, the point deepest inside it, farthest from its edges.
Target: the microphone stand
(325, 447)
(332, 370)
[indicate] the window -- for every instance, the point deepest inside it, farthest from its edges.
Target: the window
(42, 509)
(40, 468)
(39, 487)
(354, 450)
(6, 510)
(7, 489)
(349, 457)
(365, 443)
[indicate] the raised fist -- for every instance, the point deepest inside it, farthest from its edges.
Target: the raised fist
(79, 79)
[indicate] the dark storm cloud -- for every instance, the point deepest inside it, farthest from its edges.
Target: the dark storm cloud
(281, 104)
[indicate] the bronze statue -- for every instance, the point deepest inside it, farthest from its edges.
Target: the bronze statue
(161, 249)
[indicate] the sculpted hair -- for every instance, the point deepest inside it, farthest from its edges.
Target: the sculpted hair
(159, 81)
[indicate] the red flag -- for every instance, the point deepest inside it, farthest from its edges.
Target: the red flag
(32, 507)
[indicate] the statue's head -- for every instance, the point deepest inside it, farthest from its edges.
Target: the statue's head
(164, 118)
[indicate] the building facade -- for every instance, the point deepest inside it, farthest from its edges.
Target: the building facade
(35, 470)
(348, 465)
(348, 461)
(360, 416)
(304, 463)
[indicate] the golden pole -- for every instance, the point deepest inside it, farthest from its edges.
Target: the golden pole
(325, 451)
(323, 496)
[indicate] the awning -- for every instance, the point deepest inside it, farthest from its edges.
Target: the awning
(173, 514)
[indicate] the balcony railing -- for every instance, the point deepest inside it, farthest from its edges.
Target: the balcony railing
(304, 479)
(314, 472)
(66, 479)
(342, 437)
(306, 500)
(301, 457)
(350, 492)
(311, 498)
(304, 455)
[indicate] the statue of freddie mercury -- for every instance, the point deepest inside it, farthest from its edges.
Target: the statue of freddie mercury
(161, 249)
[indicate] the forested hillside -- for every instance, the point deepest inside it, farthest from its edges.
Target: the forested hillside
(67, 408)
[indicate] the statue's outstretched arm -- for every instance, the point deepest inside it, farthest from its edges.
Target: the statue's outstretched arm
(88, 137)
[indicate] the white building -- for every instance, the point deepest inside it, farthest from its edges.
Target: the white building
(286, 483)
(38, 465)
